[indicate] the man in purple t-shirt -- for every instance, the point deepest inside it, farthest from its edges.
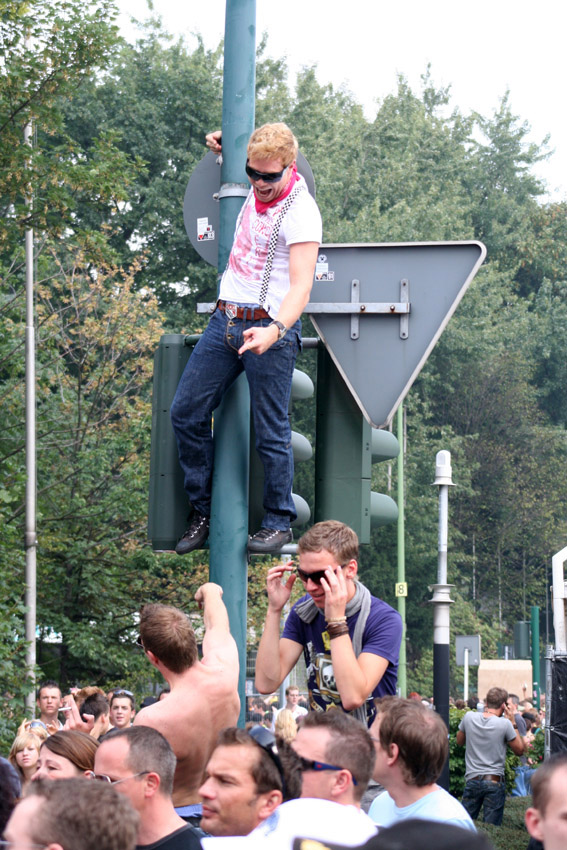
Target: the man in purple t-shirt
(350, 639)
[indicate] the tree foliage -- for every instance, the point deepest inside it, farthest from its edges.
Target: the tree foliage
(118, 130)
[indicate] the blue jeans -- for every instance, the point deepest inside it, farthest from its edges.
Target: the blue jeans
(211, 369)
(492, 794)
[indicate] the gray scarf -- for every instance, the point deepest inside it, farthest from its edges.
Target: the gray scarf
(360, 602)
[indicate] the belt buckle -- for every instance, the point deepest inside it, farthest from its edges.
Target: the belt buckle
(231, 311)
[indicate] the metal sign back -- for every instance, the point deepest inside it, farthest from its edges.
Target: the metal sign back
(201, 212)
(470, 642)
(380, 309)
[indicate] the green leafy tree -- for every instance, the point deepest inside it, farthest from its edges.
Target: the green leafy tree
(47, 52)
(158, 100)
(502, 186)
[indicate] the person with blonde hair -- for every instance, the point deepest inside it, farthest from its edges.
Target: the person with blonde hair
(24, 755)
(285, 725)
(255, 328)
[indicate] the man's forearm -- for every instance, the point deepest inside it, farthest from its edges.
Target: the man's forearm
(302, 260)
(351, 682)
(217, 638)
(268, 665)
(215, 615)
(293, 305)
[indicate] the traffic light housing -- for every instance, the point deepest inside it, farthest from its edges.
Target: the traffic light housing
(301, 388)
(346, 448)
(168, 505)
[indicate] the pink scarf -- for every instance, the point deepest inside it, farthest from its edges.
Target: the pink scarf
(261, 207)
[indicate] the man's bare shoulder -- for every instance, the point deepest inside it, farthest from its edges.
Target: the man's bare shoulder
(195, 694)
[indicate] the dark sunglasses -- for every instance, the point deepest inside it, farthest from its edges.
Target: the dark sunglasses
(266, 176)
(315, 576)
(139, 643)
(267, 740)
(309, 764)
(122, 691)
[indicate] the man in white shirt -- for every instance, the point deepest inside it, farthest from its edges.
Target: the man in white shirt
(255, 328)
(411, 750)
(291, 703)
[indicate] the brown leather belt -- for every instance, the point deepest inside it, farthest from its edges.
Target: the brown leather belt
(236, 312)
(488, 777)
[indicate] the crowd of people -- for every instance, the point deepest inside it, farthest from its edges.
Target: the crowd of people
(331, 767)
(259, 786)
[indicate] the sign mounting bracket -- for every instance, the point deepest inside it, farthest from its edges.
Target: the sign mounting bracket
(358, 308)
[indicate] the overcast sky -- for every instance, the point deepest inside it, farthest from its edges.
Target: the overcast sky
(480, 49)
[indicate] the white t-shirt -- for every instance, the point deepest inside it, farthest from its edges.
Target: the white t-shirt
(439, 805)
(242, 280)
(304, 818)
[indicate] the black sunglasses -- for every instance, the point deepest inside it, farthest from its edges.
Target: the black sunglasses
(266, 176)
(139, 643)
(316, 575)
(309, 764)
(120, 691)
(267, 740)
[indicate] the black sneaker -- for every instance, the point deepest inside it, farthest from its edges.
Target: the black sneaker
(195, 535)
(269, 540)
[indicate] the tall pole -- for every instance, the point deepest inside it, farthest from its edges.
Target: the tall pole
(228, 535)
(535, 655)
(30, 539)
(402, 666)
(442, 601)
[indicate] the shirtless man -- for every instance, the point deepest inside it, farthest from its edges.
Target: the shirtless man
(204, 694)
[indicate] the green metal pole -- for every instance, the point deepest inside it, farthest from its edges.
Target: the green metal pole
(535, 654)
(402, 681)
(228, 536)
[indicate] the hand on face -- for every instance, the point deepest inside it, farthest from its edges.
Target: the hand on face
(336, 592)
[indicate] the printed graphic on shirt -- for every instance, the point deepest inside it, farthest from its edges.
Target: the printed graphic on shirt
(250, 248)
(323, 693)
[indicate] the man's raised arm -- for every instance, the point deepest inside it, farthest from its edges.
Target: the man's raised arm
(276, 656)
(218, 643)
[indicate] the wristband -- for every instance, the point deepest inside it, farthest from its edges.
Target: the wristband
(337, 629)
(332, 620)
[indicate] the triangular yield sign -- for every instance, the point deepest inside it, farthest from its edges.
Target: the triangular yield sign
(380, 309)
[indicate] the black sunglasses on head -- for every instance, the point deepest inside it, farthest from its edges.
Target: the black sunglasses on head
(267, 740)
(266, 176)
